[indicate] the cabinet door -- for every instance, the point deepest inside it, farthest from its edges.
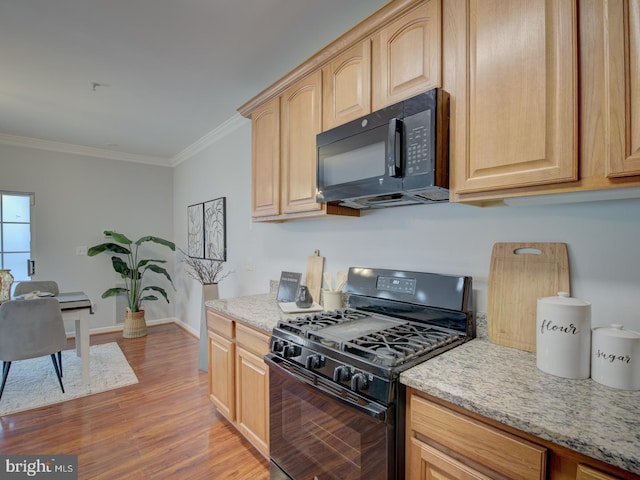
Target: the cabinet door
(427, 463)
(511, 70)
(346, 86)
(265, 163)
(252, 381)
(406, 55)
(622, 84)
(301, 121)
(221, 374)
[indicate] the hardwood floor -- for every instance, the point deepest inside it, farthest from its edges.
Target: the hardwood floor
(163, 427)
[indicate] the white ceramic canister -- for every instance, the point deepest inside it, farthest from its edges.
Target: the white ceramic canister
(563, 339)
(615, 357)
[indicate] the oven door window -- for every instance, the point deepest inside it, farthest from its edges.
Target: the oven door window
(314, 435)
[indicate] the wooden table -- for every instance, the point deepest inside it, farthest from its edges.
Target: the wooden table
(76, 306)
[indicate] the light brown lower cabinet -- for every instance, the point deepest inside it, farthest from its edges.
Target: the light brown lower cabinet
(444, 441)
(430, 463)
(238, 376)
(221, 368)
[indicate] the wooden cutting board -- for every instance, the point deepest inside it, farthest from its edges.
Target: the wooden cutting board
(315, 266)
(519, 274)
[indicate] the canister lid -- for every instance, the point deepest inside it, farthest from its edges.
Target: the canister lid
(563, 298)
(617, 330)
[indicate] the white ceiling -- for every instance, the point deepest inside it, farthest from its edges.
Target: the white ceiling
(169, 71)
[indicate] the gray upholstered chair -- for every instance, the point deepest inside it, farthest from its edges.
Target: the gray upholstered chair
(30, 329)
(36, 285)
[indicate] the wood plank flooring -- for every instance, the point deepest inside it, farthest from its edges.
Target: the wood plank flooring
(163, 427)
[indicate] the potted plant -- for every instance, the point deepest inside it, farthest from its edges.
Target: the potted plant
(132, 269)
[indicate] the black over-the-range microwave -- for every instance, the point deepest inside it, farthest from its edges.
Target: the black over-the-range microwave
(398, 155)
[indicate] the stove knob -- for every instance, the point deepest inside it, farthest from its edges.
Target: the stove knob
(277, 346)
(342, 373)
(313, 361)
(359, 382)
(290, 351)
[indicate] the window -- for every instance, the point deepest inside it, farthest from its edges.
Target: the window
(15, 233)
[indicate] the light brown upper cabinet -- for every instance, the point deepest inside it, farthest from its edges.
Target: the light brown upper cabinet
(283, 167)
(621, 25)
(301, 121)
(407, 55)
(545, 98)
(346, 86)
(400, 60)
(265, 167)
(395, 51)
(511, 70)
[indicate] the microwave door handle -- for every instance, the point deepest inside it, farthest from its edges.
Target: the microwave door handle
(395, 148)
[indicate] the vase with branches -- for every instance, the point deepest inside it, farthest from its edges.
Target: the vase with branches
(206, 271)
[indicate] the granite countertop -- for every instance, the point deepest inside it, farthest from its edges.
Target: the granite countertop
(505, 385)
(260, 311)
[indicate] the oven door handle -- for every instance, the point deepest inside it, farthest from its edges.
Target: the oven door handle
(369, 408)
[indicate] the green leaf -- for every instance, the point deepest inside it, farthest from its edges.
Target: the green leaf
(122, 268)
(107, 247)
(118, 237)
(160, 270)
(158, 240)
(160, 290)
(142, 263)
(114, 291)
(149, 297)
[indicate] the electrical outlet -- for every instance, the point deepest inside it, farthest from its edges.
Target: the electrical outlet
(249, 264)
(81, 250)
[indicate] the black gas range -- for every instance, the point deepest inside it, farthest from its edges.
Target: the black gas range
(351, 359)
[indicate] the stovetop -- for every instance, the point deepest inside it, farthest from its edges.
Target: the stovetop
(381, 340)
(394, 320)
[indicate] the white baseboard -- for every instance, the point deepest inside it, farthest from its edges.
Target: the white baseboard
(150, 323)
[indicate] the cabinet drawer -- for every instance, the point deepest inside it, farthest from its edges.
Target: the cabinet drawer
(219, 324)
(488, 446)
(587, 473)
(253, 340)
(428, 462)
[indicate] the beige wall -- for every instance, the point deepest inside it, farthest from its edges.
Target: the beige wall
(76, 199)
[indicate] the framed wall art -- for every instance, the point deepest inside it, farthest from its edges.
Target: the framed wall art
(195, 230)
(207, 230)
(215, 229)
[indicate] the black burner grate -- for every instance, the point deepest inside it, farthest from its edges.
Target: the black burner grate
(400, 343)
(307, 323)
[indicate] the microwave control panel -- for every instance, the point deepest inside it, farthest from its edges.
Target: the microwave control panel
(418, 132)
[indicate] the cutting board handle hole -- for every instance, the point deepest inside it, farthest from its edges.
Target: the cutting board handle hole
(527, 251)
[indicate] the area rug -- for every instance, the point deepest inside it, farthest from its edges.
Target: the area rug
(33, 383)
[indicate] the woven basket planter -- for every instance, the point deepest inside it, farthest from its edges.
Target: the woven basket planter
(134, 324)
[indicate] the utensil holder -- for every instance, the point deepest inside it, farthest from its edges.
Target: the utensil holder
(331, 299)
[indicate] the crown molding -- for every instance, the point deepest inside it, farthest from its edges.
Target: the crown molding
(209, 139)
(27, 142)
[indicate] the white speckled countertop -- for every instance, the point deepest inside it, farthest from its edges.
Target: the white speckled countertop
(260, 311)
(504, 384)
